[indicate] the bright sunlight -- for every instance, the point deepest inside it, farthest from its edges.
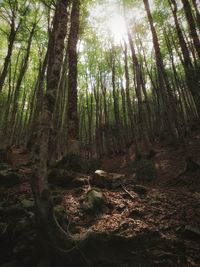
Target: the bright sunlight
(117, 27)
(107, 19)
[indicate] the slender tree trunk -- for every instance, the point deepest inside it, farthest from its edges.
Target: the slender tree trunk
(197, 13)
(191, 76)
(72, 112)
(49, 229)
(11, 40)
(129, 104)
(138, 89)
(116, 107)
(89, 100)
(170, 114)
(124, 105)
(192, 26)
(34, 113)
(22, 73)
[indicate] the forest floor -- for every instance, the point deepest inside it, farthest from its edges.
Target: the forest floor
(163, 220)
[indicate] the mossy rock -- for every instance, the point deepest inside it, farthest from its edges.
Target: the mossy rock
(99, 178)
(116, 180)
(108, 180)
(93, 200)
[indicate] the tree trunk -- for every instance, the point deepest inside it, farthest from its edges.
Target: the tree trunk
(191, 76)
(4, 72)
(192, 26)
(170, 114)
(34, 113)
(197, 13)
(49, 229)
(72, 112)
(22, 73)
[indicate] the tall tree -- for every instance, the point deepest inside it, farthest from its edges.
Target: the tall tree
(170, 112)
(192, 25)
(9, 12)
(191, 76)
(72, 107)
(197, 11)
(47, 225)
(23, 69)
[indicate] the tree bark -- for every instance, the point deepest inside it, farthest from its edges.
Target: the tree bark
(197, 13)
(170, 114)
(11, 40)
(192, 25)
(190, 73)
(24, 66)
(72, 108)
(49, 229)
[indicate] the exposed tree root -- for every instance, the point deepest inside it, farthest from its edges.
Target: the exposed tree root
(95, 247)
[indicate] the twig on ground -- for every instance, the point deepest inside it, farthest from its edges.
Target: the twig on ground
(125, 190)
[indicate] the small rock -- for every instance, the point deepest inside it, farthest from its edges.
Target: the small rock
(109, 180)
(99, 178)
(115, 180)
(93, 200)
(101, 173)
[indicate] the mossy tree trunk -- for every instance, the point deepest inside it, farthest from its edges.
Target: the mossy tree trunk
(47, 225)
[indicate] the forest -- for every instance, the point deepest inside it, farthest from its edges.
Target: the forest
(99, 133)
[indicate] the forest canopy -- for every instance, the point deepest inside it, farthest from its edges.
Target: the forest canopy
(125, 50)
(109, 84)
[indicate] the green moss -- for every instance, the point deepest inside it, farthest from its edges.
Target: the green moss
(93, 200)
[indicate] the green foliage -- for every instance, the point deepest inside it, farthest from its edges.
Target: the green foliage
(100, 58)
